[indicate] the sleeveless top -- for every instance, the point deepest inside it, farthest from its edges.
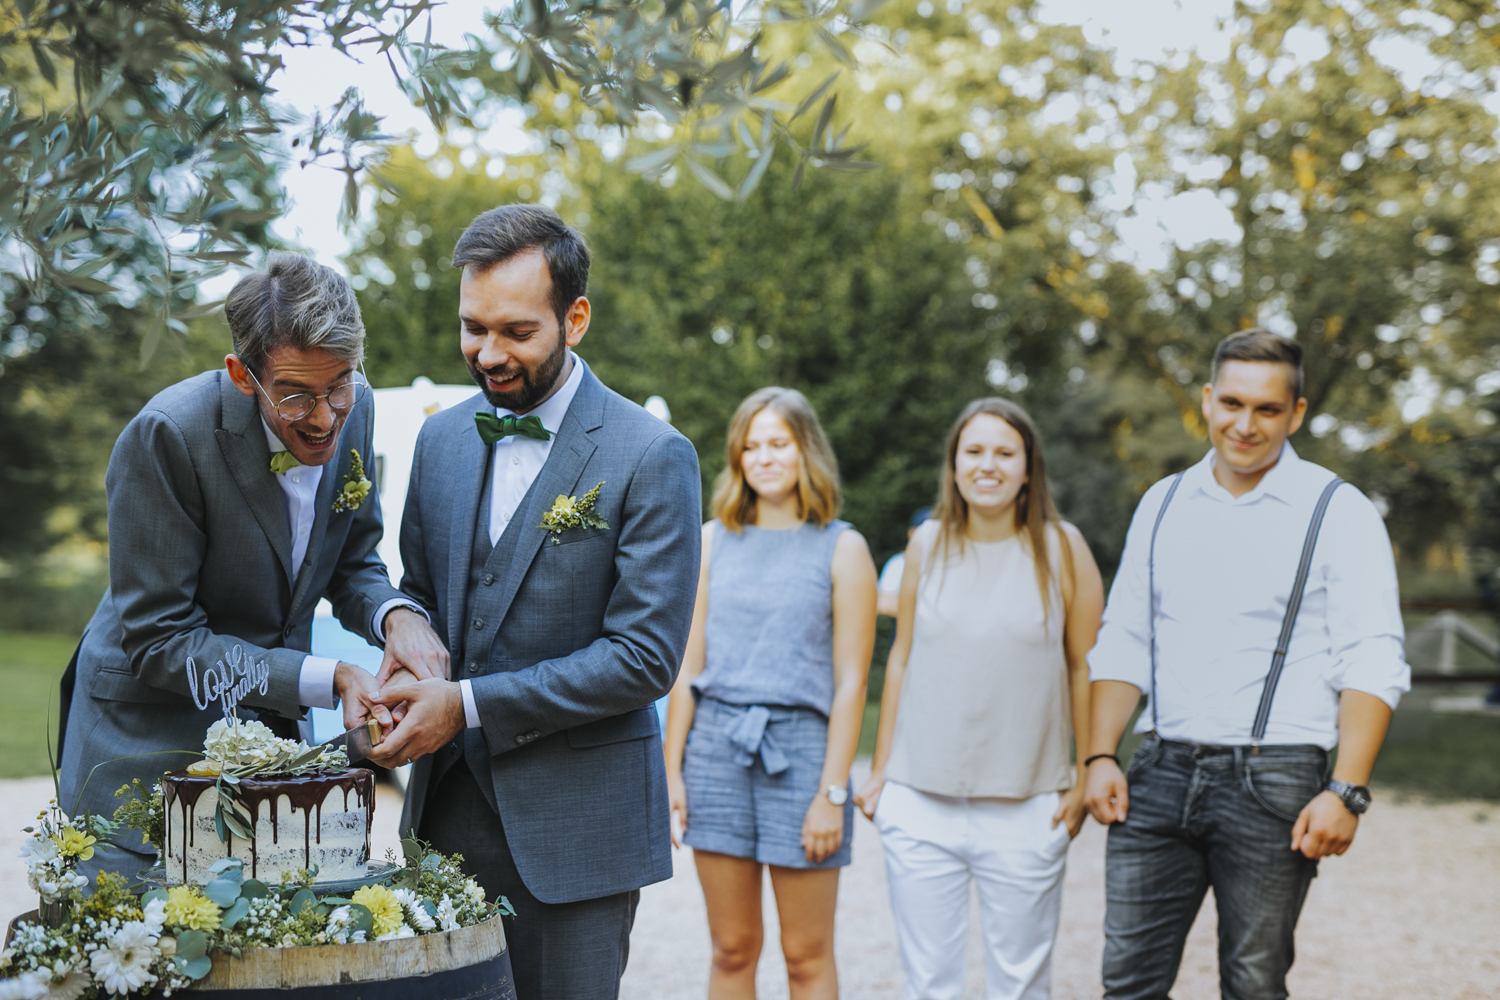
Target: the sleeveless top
(985, 704)
(769, 631)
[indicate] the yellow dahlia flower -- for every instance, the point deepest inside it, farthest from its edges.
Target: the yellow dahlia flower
(187, 907)
(383, 906)
(75, 843)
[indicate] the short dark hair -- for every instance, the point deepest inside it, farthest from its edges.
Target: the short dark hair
(501, 233)
(1260, 345)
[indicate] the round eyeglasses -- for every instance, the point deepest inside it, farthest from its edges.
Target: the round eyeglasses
(291, 408)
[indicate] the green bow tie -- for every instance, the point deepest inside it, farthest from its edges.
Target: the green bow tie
(281, 461)
(493, 428)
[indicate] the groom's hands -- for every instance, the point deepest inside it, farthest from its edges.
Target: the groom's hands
(411, 643)
(434, 716)
(359, 692)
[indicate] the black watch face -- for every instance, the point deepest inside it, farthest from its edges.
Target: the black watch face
(1358, 798)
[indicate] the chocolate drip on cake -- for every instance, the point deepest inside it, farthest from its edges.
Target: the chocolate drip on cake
(306, 793)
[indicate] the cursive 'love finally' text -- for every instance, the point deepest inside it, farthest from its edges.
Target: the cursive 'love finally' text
(228, 682)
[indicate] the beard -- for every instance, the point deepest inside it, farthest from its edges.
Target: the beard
(536, 383)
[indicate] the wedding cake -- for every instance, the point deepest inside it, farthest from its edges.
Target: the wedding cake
(277, 805)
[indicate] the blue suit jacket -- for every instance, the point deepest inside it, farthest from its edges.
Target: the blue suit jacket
(591, 632)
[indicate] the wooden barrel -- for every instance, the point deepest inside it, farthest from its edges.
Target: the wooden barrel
(471, 963)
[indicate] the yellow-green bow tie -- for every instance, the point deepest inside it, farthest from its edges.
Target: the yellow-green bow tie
(282, 461)
(493, 428)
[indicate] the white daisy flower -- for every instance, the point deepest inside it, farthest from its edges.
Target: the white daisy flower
(124, 964)
(404, 931)
(411, 903)
(26, 986)
(155, 916)
(447, 915)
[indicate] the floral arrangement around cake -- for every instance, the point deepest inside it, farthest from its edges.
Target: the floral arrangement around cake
(112, 942)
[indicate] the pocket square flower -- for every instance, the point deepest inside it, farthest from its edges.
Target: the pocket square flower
(356, 487)
(573, 512)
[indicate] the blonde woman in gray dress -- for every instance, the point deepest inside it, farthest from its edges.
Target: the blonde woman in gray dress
(985, 689)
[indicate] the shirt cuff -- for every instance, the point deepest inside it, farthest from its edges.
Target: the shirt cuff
(377, 624)
(471, 710)
(315, 683)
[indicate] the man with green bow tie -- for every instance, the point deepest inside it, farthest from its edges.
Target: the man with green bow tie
(552, 528)
(237, 500)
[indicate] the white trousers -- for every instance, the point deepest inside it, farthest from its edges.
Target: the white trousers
(935, 845)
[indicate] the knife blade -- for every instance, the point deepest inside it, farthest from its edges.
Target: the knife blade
(358, 742)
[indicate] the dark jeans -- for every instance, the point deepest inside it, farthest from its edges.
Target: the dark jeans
(1201, 817)
(558, 951)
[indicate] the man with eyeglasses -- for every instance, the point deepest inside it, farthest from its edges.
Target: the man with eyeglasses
(228, 521)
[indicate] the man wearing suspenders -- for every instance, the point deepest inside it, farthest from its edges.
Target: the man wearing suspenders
(1256, 607)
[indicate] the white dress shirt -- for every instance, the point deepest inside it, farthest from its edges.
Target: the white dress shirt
(300, 484)
(514, 465)
(1224, 572)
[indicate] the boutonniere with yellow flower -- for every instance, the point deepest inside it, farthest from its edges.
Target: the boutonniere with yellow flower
(356, 487)
(573, 512)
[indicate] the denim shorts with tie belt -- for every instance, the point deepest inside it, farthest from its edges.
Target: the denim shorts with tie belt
(751, 773)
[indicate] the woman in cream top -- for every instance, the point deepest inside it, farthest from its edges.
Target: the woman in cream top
(986, 688)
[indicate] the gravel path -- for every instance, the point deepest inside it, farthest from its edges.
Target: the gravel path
(1410, 912)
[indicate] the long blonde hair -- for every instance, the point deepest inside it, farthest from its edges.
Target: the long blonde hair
(1034, 510)
(818, 495)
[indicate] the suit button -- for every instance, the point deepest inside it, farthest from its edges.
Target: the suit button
(478, 624)
(489, 578)
(287, 632)
(520, 741)
(473, 668)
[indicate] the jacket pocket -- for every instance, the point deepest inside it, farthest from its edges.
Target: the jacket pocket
(634, 725)
(571, 536)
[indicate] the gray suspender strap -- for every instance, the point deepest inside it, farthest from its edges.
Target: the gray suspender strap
(1293, 605)
(1151, 585)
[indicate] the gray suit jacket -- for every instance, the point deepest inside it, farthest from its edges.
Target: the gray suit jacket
(200, 565)
(590, 633)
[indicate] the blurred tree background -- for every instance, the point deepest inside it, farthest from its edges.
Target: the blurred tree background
(983, 255)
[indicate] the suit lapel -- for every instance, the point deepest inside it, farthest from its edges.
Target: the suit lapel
(468, 463)
(242, 441)
(560, 475)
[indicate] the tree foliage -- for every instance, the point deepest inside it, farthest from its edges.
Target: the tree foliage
(152, 110)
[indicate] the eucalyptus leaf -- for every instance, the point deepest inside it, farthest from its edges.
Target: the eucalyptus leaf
(196, 968)
(302, 899)
(254, 888)
(192, 944)
(361, 919)
(235, 913)
(222, 891)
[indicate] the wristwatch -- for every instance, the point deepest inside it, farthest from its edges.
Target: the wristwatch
(1356, 798)
(837, 794)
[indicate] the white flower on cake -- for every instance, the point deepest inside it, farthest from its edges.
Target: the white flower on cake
(247, 744)
(124, 964)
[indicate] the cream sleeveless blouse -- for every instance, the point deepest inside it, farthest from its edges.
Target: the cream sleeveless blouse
(984, 708)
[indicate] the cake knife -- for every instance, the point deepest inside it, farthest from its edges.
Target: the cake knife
(359, 741)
